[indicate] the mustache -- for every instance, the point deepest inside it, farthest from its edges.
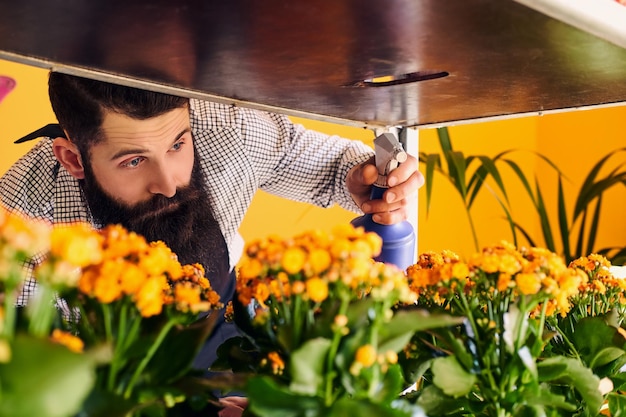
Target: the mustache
(159, 205)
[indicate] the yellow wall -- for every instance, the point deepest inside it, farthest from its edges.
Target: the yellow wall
(574, 140)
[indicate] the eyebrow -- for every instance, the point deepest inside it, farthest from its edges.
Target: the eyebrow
(131, 151)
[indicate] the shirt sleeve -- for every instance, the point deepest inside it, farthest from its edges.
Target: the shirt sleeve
(301, 164)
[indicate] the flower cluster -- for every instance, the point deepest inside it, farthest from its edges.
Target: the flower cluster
(115, 263)
(601, 292)
(309, 264)
(499, 272)
(320, 319)
(111, 306)
(523, 333)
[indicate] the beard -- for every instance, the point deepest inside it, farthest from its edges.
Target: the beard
(184, 222)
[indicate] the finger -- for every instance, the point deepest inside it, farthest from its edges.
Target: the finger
(390, 217)
(368, 174)
(405, 190)
(404, 171)
(381, 206)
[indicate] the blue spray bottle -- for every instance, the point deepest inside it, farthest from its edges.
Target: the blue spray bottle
(398, 239)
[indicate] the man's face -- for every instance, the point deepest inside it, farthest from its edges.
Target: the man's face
(147, 178)
(140, 159)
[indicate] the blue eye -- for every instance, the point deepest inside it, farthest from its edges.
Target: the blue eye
(133, 162)
(178, 145)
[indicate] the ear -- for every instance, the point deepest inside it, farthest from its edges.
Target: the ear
(69, 156)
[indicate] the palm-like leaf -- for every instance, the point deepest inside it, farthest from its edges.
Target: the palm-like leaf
(582, 224)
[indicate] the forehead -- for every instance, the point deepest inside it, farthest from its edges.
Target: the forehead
(120, 128)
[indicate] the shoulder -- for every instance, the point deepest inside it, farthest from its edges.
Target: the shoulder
(29, 184)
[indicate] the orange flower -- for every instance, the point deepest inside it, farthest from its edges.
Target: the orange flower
(132, 277)
(157, 259)
(262, 292)
(77, 243)
(528, 283)
(276, 362)
(250, 268)
(317, 289)
(365, 355)
(68, 340)
(293, 260)
(319, 260)
(106, 286)
(149, 299)
(187, 296)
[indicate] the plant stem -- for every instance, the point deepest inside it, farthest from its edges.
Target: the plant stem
(297, 321)
(119, 348)
(473, 228)
(9, 314)
(330, 359)
(144, 362)
(42, 311)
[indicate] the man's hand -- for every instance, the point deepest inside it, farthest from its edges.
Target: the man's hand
(404, 181)
(233, 406)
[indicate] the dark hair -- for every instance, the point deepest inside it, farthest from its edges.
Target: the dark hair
(79, 105)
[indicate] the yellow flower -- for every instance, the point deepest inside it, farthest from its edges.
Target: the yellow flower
(317, 289)
(365, 355)
(341, 320)
(106, 287)
(298, 287)
(249, 269)
(5, 351)
(391, 357)
(276, 362)
(293, 260)
(319, 260)
(229, 312)
(262, 292)
(149, 299)
(460, 270)
(132, 277)
(187, 296)
(528, 283)
(157, 259)
(68, 340)
(504, 282)
(23, 234)
(77, 243)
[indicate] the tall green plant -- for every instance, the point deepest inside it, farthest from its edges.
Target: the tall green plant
(577, 231)
(467, 174)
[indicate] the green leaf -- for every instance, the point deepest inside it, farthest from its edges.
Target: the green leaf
(544, 398)
(349, 407)
(431, 161)
(563, 223)
(544, 220)
(593, 338)
(268, 399)
(186, 341)
(573, 372)
(44, 379)
(390, 387)
(435, 403)
(396, 333)
(617, 404)
(587, 193)
(451, 378)
(308, 366)
(593, 228)
(102, 403)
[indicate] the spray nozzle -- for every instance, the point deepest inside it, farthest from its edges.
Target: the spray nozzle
(389, 154)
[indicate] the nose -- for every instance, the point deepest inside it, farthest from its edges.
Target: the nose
(163, 182)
